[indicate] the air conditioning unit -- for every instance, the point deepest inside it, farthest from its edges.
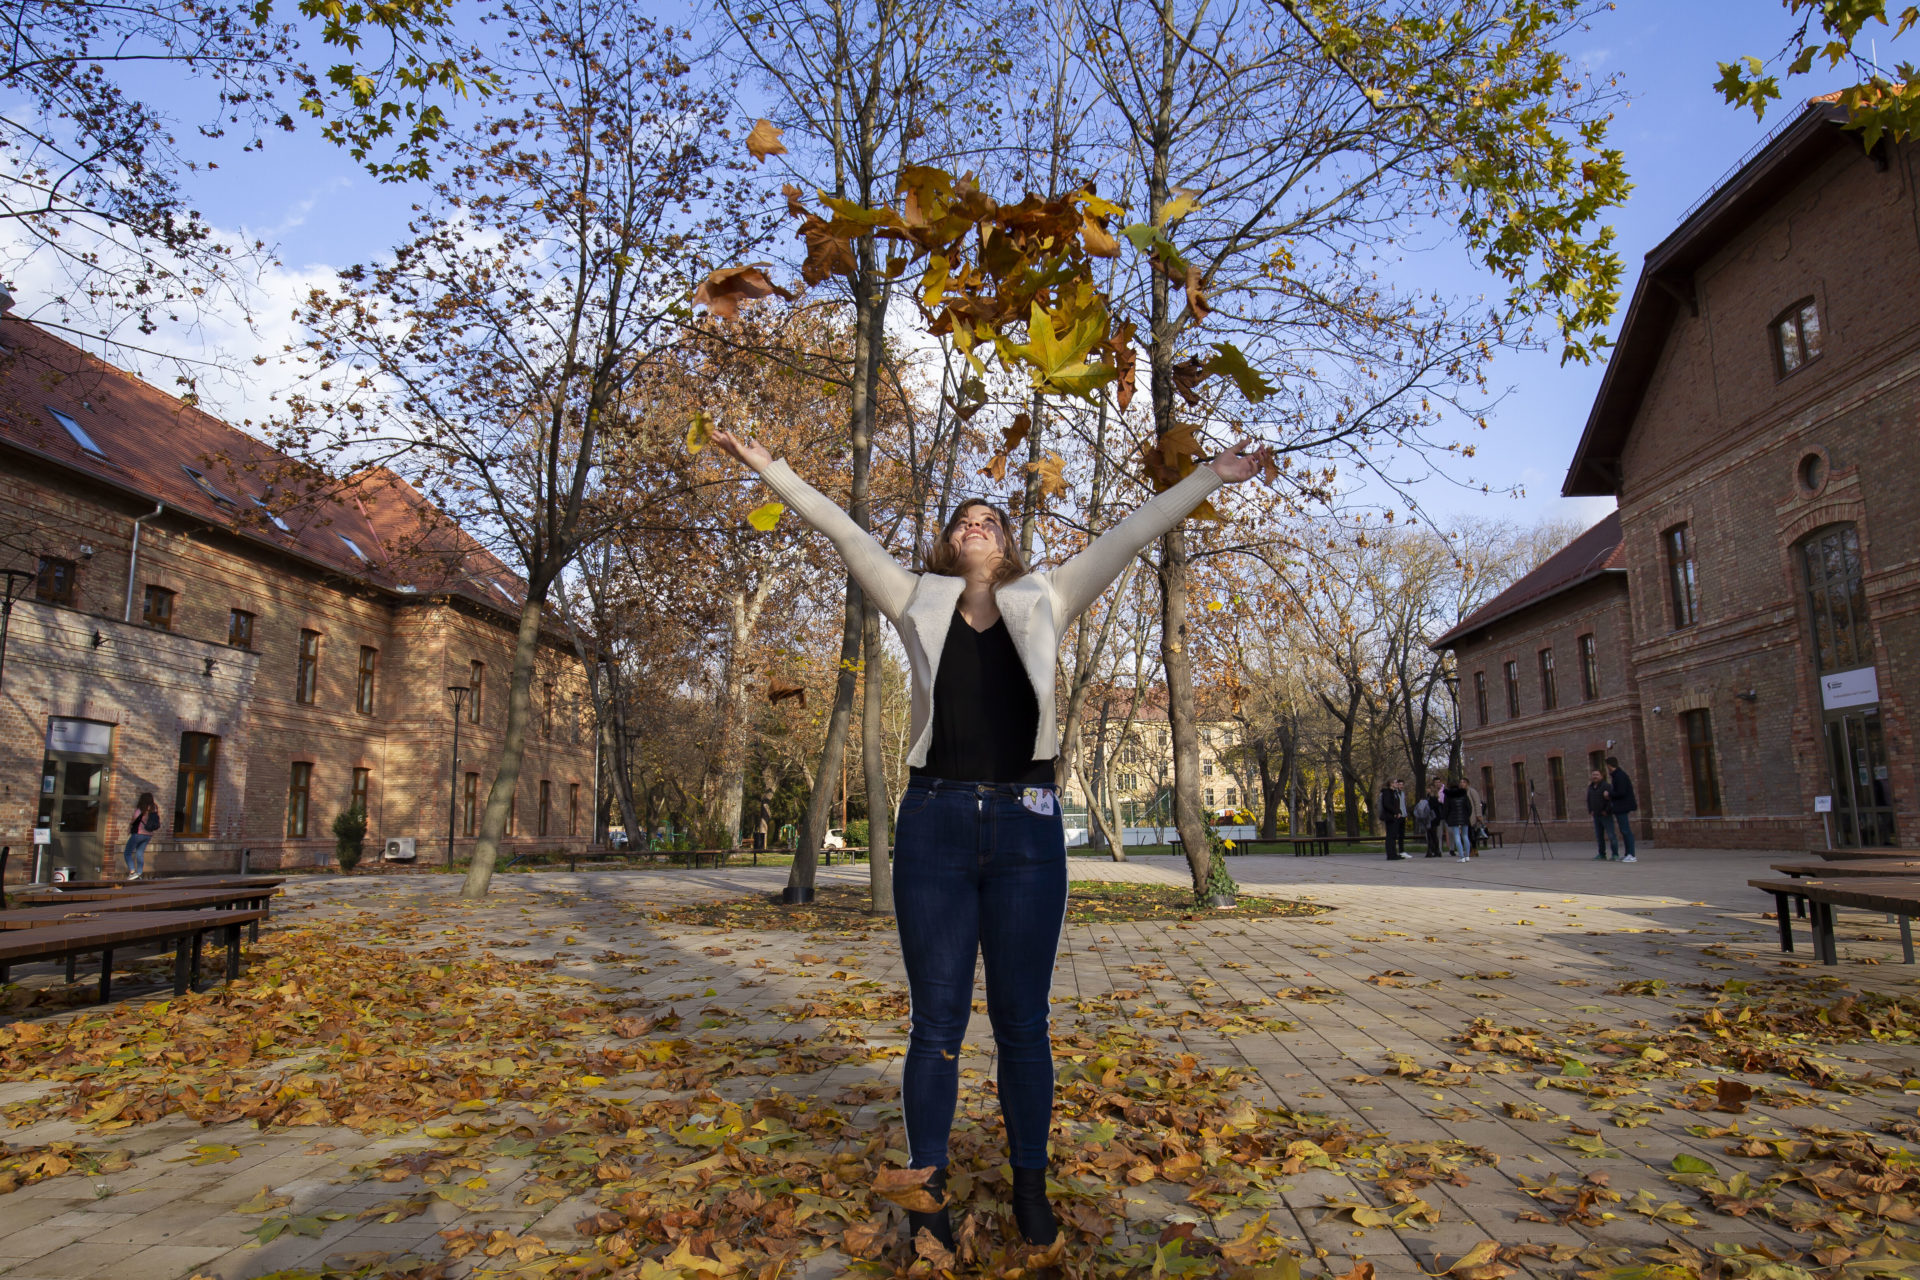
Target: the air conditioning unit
(399, 849)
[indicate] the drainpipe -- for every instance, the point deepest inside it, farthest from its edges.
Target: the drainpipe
(133, 561)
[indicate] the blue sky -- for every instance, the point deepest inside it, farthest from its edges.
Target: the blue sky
(1679, 140)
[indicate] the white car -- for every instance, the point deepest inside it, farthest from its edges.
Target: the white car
(834, 839)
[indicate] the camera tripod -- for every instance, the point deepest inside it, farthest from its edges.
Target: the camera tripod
(1533, 823)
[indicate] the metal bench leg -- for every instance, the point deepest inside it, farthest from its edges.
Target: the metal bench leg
(193, 975)
(181, 959)
(1906, 938)
(73, 968)
(106, 974)
(1785, 918)
(233, 953)
(1826, 949)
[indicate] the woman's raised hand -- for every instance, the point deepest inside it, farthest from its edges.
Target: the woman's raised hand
(1235, 464)
(747, 450)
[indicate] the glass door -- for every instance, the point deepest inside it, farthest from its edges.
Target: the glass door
(1862, 796)
(70, 805)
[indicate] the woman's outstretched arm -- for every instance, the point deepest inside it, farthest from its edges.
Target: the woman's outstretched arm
(883, 578)
(1078, 582)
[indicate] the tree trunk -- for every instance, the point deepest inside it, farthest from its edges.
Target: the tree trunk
(874, 762)
(506, 776)
(1181, 709)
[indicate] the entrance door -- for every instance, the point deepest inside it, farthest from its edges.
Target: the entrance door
(1862, 798)
(73, 795)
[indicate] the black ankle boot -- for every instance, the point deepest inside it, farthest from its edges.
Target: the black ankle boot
(938, 1222)
(1031, 1212)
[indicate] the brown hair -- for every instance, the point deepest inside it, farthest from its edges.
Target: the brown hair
(943, 559)
(146, 801)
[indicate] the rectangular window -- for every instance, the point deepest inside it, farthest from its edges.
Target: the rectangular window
(1597, 763)
(1796, 337)
(1480, 696)
(363, 680)
(546, 804)
(1520, 790)
(299, 792)
(1233, 797)
(1557, 780)
(306, 679)
(1680, 575)
(1486, 789)
(470, 805)
(1513, 689)
(193, 792)
(1209, 795)
(1549, 692)
(53, 581)
(573, 808)
(156, 608)
(476, 681)
(240, 628)
(1706, 776)
(357, 795)
(1589, 669)
(1206, 770)
(77, 432)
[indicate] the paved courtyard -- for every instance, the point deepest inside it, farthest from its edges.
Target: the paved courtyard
(1520, 1064)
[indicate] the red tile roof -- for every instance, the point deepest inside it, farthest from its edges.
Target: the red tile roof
(164, 450)
(1593, 553)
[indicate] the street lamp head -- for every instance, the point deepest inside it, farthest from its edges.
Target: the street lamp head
(1453, 681)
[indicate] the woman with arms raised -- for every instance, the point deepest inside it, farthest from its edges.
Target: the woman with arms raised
(980, 862)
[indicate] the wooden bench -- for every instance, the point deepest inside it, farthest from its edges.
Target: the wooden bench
(72, 938)
(1879, 868)
(1853, 855)
(1893, 896)
(247, 897)
(1495, 839)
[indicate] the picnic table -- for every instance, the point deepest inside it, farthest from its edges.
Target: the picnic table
(1897, 896)
(187, 930)
(1851, 855)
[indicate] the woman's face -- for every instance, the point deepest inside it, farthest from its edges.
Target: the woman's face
(978, 538)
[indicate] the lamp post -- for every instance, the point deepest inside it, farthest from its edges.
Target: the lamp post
(1452, 678)
(18, 580)
(459, 692)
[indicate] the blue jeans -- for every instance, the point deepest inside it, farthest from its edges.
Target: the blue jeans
(976, 873)
(1625, 823)
(135, 854)
(1462, 843)
(1602, 833)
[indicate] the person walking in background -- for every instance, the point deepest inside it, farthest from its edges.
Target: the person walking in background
(1426, 817)
(1622, 803)
(1393, 813)
(1477, 826)
(1456, 812)
(1600, 809)
(146, 821)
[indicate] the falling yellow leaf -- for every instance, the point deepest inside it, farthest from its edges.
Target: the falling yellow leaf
(766, 517)
(700, 432)
(764, 140)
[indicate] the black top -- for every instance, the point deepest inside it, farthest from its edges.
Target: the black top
(985, 716)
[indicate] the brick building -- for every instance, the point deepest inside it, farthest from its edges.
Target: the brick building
(1757, 425)
(1547, 691)
(259, 664)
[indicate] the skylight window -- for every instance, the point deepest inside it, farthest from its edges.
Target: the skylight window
(278, 523)
(505, 594)
(78, 432)
(353, 547)
(207, 486)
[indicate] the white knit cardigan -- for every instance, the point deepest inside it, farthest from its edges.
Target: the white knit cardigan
(1038, 607)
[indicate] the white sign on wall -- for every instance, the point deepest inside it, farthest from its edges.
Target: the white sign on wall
(1856, 688)
(1823, 804)
(88, 737)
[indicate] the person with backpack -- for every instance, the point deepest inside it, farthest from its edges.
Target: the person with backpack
(1622, 803)
(1456, 813)
(1426, 818)
(1393, 813)
(146, 821)
(1600, 808)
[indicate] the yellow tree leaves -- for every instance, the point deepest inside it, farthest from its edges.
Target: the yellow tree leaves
(764, 518)
(699, 432)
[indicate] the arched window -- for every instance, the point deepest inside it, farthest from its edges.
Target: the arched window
(1836, 598)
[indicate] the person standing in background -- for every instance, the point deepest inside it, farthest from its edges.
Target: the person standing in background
(1622, 803)
(1426, 816)
(1600, 808)
(1393, 813)
(1456, 811)
(146, 821)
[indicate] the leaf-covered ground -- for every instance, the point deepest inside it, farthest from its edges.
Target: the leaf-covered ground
(1473, 1083)
(843, 907)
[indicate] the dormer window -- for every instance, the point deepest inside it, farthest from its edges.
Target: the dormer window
(1796, 337)
(353, 547)
(78, 432)
(207, 486)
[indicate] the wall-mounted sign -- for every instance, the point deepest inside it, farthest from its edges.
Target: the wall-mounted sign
(1857, 688)
(87, 737)
(1823, 804)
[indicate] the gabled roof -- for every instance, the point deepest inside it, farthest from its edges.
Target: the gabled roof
(75, 412)
(1665, 289)
(1596, 552)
